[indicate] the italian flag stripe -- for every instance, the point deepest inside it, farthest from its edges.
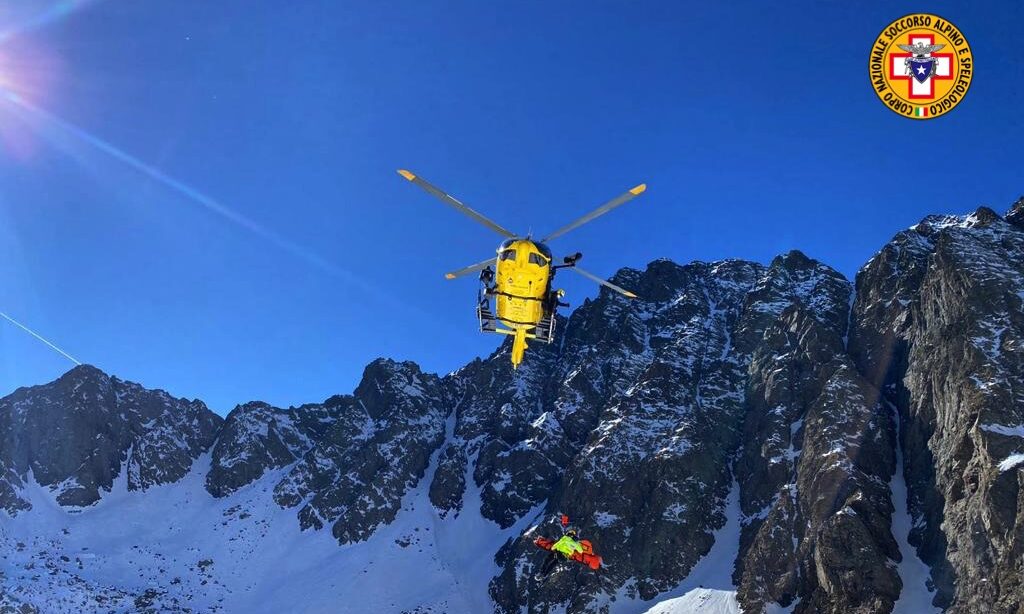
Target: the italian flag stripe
(921, 111)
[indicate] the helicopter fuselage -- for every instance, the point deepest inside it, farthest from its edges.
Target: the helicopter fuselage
(522, 282)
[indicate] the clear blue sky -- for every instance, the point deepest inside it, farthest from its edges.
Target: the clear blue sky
(754, 126)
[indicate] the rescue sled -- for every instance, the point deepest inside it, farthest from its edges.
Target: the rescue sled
(587, 557)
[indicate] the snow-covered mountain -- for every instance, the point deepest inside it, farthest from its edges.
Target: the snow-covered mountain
(741, 438)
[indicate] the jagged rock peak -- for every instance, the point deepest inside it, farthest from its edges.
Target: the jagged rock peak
(1015, 215)
(385, 379)
(78, 433)
(984, 216)
(663, 278)
(794, 259)
(931, 225)
(255, 438)
(84, 371)
(383, 370)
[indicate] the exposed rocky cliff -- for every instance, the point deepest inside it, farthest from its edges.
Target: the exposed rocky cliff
(78, 433)
(348, 460)
(777, 385)
(939, 328)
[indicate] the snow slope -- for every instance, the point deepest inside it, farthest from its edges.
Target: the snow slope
(915, 598)
(242, 553)
(708, 588)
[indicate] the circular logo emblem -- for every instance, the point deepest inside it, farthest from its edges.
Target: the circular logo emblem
(921, 66)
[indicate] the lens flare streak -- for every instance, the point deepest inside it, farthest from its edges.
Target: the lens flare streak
(192, 194)
(369, 290)
(55, 12)
(39, 337)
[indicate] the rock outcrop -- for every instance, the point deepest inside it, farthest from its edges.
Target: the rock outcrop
(346, 462)
(376, 446)
(75, 435)
(939, 328)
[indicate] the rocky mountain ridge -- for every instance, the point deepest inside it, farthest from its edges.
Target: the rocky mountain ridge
(784, 386)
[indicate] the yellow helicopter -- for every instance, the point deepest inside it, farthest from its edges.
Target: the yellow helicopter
(520, 283)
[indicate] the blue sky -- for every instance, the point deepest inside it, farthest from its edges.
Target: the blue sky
(754, 126)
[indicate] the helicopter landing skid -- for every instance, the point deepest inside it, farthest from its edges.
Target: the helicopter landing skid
(543, 331)
(488, 323)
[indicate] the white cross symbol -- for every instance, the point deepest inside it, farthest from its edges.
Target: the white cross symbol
(916, 89)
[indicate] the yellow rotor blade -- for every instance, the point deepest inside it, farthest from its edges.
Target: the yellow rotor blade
(454, 202)
(471, 268)
(603, 282)
(621, 199)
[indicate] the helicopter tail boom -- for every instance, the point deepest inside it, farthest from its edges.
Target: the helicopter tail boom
(518, 347)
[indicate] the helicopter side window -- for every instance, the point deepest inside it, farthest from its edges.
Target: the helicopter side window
(537, 259)
(508, 254)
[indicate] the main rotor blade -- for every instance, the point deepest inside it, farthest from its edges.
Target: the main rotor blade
(454, 202)
(473, 267)
(605, 208)
(606, 284)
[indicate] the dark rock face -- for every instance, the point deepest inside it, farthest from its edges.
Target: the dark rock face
(816, 458)
(346, 462)
(676, 414)
(514, 459)
(449, 483)
(656, 389)
(75, 434)
(939, 328)
(375, 446)
(256, 438)
(1015, 215)
(815, 491)
(11, 604)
